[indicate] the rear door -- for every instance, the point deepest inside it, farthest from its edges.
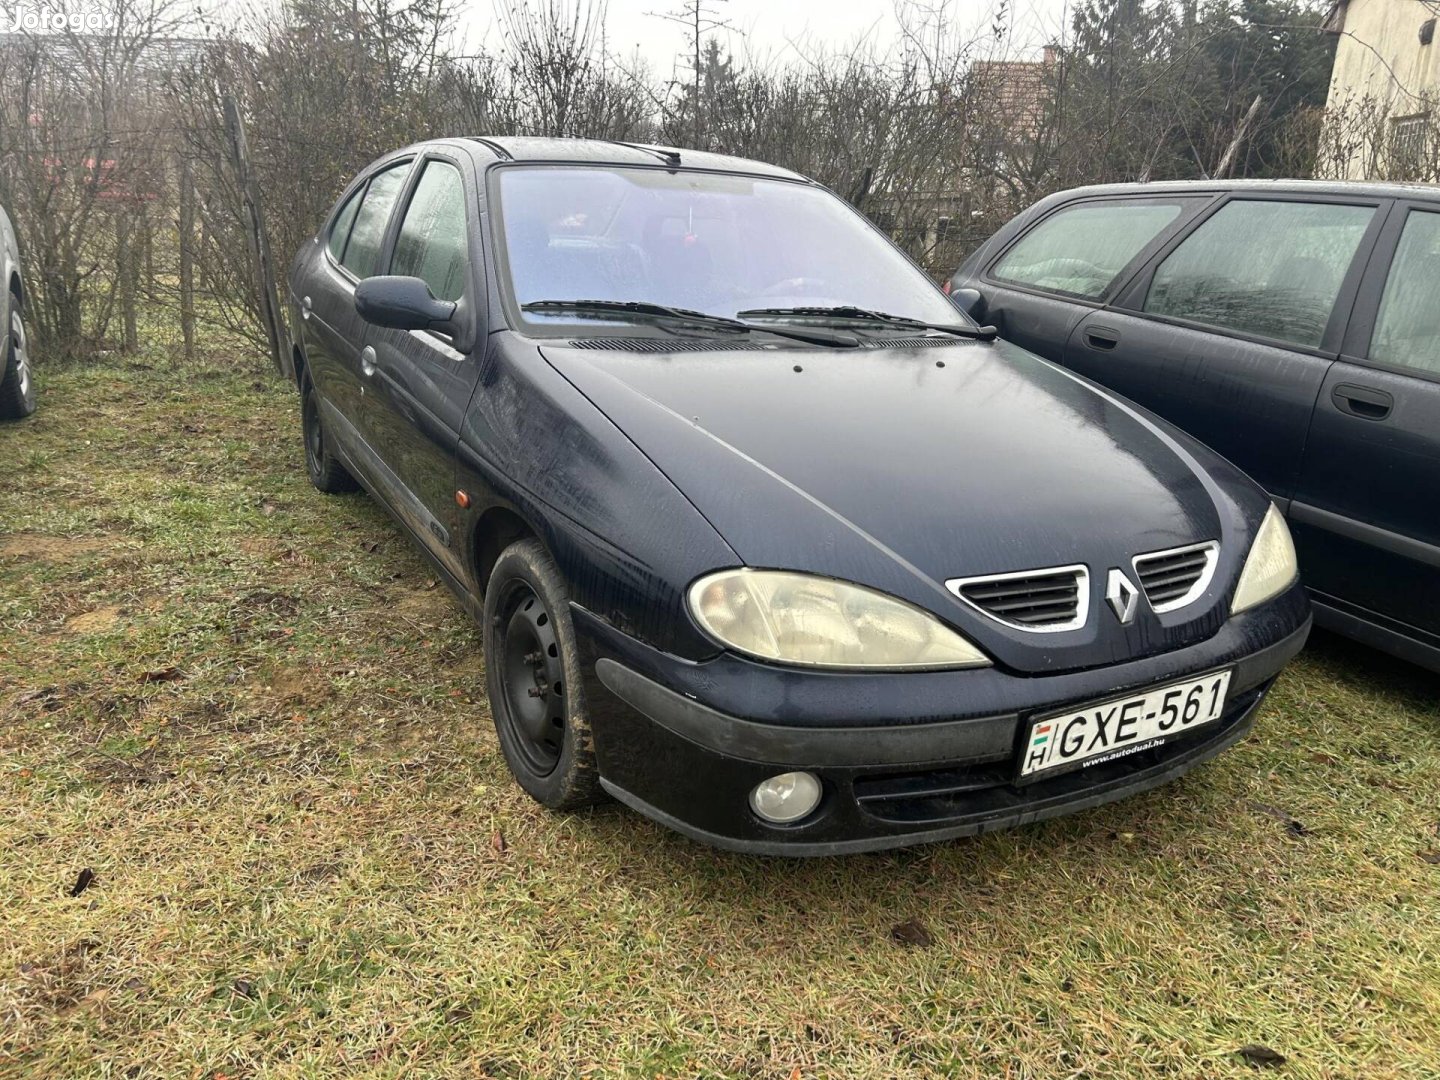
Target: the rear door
(1070, 263)
(1366, 515)
(418, 383)
(1230, 330)
(332, 330)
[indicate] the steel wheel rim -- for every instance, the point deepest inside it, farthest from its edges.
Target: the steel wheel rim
(22, 359)
(314, 437)
(532, 678)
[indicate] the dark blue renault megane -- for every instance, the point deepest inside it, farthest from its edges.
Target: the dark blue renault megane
(767, 540)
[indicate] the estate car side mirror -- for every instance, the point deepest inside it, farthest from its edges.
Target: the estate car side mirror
(403, 303)
(970, 302)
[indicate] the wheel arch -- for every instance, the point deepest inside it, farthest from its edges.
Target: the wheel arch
(297, 359)
(495, 530)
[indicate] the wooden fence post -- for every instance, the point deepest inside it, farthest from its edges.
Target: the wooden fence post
(187, 254)
(257, 238)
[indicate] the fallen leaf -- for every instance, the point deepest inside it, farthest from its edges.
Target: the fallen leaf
(497, 841)
(1292, 826)
(168, 674)
(371, 546)
(85, 879)
(1432, 857)
(1261, 1057)
(913, 933)
(244, 987)
(795, 1073)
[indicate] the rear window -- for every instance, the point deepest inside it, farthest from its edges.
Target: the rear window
(1080, 251)
(1267, 268)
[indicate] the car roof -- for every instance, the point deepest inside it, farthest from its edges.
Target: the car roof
(1376, 189)
(604, 152)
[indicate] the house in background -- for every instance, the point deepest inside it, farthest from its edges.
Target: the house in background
(1384, 101)
(943, 217)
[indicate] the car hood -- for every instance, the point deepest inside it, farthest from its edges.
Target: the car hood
(903, 467)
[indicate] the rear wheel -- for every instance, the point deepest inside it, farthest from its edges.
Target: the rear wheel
(17, 389)
(532, 674)
(326, 472)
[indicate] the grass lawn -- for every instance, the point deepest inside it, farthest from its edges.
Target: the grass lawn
(256, 717)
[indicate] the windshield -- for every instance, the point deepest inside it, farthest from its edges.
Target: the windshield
(715, 243)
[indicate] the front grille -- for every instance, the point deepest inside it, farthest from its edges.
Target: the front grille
(1171, 579)
(1044, 601)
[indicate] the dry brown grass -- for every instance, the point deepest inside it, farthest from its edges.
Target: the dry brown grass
(252, 713)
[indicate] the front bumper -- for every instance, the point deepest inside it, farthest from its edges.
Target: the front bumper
(904, 758)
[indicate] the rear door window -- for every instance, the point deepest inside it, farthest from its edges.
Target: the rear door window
(1081, 250)
(368, 232)
(340, 231)
(1272, 269)
(1407, 329)
(432, 242)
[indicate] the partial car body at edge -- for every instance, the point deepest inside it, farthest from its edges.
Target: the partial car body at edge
(17, 389)
(927, 469)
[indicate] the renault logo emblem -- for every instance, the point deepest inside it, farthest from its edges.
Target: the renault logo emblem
(1122, 596)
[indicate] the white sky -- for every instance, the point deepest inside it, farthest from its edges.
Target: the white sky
(777, 28)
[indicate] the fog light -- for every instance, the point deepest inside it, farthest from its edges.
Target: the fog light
(787, 797)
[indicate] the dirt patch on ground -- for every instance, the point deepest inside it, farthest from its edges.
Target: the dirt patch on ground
(93, 622)
(429, 603)
(48, 548)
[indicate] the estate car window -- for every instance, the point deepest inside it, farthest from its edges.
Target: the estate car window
(432, 244)
(1268, 268)
(1407, 330)
(369, 230)
(718, 243)
(340, 231)
(1080, 251)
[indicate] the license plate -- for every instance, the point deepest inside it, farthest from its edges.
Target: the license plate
(1106, 730)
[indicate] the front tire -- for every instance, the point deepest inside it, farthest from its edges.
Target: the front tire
(17, 388)
(325, 471)
(532, 675)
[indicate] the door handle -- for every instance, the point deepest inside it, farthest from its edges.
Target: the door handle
(305, 307)
(1102, 337)
(1362, 401)
(367, 362)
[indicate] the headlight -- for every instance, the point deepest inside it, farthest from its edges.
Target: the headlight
(802, 619)
(1270, 567)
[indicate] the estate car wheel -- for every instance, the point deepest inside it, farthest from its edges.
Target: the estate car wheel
(532, 676)
(17, 389)
(326, 473)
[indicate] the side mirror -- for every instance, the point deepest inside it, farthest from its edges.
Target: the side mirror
(970, 302)
(403, 303)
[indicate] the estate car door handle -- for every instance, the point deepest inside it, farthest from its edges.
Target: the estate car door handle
(305, 307)
(1102, 337)
(367, 362)
(1362, 401)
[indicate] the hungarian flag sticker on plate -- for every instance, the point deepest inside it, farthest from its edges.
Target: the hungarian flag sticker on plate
(1106, 730)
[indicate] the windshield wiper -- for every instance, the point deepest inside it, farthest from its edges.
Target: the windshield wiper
(847, 314)
(659, 314)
